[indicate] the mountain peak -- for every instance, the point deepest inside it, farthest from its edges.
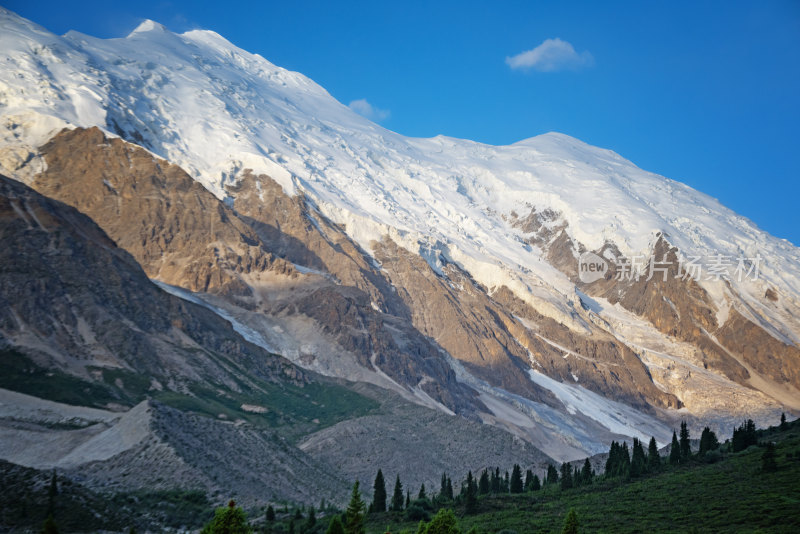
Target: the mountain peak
(149, 26)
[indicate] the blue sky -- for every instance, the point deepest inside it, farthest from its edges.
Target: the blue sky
(707, 93)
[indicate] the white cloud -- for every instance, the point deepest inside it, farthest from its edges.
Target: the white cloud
(365, 109)
(551, 55)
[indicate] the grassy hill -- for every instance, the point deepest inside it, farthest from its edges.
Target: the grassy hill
(733, 494)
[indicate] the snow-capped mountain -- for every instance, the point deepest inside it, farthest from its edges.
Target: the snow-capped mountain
(500, 228)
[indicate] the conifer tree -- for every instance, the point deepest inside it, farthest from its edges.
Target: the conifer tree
(354, 523)
(744, 436)
(653, 458)
(570, 523)
(537, 484)
(566, 476)
(552, 474)
(408, 498)
(421, 494)
(708, 441)
(625, 460)
(397, 497)
(379, 494)
(587, 473)
(638, 459)
(686, 449)
(335, 526)
(270, 513)
(496, 481)
(612, 461)
(506, 483)
(528, 480)
(674, 450)
(484, 486)
(783, 425)
(471, 498)
(311, 521)
(515, 486)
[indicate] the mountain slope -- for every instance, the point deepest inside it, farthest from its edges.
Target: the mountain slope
(499, 229)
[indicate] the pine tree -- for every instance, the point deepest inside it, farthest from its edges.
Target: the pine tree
(612, 462)
(421, 494)
(515, 486)
(354, 523)
(397, 497)
(674, 450)
(230, 520)
(335, 526)
(270, 513)
(506, 483)
(496, 481)
(708, 441)
(686, 449)
(311, 522)
(653, 458)
(484, 486)
(408, 498)
(783, 425)
(471, 498)
(552, 474)
(768, 463)
(587, 473)
(566, 476)
(744, 436)
(291, 525)
(528, 480)
(638, 460)
(570, 523)
(449, 492)
(379, 494)
(537, 484)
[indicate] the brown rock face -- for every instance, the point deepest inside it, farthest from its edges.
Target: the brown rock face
(458, 314)
(761, 351)
(293, 231)
(71, 298)
(177, 231)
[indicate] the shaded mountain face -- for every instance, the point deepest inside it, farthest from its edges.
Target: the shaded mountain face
(443, 269)
(73, 300)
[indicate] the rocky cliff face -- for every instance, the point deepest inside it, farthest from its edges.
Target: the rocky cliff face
(73, 299)
(747, 351)
(175, 229)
